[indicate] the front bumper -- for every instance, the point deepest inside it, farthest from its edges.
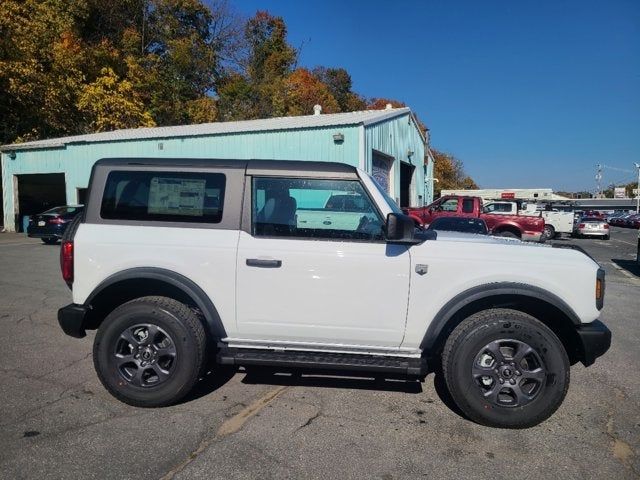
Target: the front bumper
(595, 340)
(72, 319)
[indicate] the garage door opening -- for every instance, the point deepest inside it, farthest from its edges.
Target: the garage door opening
(82, 196)
(38, 192)
(406, 175)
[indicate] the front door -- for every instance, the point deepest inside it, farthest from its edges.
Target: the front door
(315, 269)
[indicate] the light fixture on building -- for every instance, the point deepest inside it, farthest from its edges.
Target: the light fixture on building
(410, 153)
(338, 137)
(12, 155)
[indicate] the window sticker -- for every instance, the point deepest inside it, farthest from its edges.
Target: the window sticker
(181, 196)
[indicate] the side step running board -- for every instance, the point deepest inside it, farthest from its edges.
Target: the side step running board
(323, 360)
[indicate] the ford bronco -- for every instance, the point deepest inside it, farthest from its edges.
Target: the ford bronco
(179, 264)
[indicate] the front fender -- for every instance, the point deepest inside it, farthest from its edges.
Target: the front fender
(453, 306)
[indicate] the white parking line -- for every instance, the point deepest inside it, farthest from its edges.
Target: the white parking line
(622, 241)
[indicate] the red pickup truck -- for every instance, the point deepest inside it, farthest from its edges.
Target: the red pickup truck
(516, 226)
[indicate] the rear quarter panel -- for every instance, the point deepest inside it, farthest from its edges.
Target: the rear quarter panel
(205, 256)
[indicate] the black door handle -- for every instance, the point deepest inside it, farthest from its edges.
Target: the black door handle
(259, 262)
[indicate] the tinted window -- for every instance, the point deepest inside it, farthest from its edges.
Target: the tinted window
(467, 205)
(455, 224)
(63, 211)
(164, 196)
(314, 208)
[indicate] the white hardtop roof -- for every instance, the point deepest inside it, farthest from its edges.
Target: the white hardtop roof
(365, 117)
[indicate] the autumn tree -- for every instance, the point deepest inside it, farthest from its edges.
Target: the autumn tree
(304, 90)
(338, 81)
(450, 173)
(111, 103)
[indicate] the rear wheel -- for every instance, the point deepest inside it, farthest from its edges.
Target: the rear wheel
(549, 232)
(149, 352)
(505, 369)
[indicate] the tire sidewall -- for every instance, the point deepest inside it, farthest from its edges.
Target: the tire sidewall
(181, 378)
(468, 395)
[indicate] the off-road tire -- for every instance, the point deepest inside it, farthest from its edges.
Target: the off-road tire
(186, 332)
(469, 338)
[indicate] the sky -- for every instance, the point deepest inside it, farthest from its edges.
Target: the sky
(528, 94)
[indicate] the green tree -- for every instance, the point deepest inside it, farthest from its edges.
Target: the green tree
(338, 81)
(260, 89)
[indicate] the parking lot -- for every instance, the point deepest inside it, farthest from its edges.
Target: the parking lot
(57, 421)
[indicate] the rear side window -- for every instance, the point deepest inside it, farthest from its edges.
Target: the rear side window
(467, 205)
(195, 197)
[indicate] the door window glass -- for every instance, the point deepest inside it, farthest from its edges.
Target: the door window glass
(314, 208)
(449, 205)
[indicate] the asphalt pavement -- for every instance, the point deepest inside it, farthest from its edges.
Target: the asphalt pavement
(57, 421)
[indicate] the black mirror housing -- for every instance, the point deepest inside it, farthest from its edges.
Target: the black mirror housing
(400, 228)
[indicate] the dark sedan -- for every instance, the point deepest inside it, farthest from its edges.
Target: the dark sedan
(50, 225)
(460, 224)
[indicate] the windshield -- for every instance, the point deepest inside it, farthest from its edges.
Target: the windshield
(392, 204)
(62, 210)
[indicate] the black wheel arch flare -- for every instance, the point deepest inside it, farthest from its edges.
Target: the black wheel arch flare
(446, 319)
(173, 280)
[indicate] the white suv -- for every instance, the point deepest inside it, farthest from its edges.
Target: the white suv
(177, 262)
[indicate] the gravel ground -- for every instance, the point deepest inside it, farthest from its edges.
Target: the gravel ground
(57, 421)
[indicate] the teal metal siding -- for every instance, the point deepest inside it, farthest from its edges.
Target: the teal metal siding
(396, 137)
(76, 160)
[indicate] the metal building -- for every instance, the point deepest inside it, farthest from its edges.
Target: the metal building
(386, 143)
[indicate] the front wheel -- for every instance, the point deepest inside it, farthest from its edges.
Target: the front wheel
(149, 352)
(505, 369)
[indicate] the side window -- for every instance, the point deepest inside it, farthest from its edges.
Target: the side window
(467, 205)
(313, 208)
(449, 205)
(164, 196)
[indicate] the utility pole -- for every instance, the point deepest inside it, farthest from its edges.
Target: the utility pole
(598, 179)
(638, 189)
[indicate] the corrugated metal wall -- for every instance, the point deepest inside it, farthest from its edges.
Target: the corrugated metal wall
(396, 137)
(75, 161)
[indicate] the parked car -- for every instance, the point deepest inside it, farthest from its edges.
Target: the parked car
(555, 222)
(620, 220)
(460, 224)
(172, 285)
(523, 227)
(593, 227)
(633, 221)
(51, 225)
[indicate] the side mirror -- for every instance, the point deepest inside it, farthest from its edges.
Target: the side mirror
(400, 228)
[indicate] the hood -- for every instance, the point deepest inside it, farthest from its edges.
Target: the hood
(476, 238)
